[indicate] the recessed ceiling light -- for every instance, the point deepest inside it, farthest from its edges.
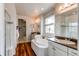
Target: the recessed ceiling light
(42, 9)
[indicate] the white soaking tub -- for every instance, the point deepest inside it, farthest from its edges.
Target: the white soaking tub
(40, 48)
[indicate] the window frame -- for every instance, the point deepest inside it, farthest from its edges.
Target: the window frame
(49, 24)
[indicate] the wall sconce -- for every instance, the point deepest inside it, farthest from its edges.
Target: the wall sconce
(37, 20)
(65, 5)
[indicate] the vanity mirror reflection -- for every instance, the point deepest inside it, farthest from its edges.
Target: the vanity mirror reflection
(67, 23)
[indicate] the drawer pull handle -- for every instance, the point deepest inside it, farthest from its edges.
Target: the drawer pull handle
(74, 53)
(53, 48)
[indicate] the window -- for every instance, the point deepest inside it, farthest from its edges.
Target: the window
(49, 24)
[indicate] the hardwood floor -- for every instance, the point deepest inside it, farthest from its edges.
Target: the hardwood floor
(24, 49)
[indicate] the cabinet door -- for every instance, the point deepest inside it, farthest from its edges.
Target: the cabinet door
(73, 52)
(50, 50)
(60, 47)
(59, 52)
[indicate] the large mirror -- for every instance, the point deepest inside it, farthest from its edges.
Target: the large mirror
(67, 23)
(70, 24)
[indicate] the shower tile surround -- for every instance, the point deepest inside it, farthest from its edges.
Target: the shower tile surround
(22, 29)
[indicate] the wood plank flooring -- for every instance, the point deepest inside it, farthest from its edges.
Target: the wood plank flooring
(24, 49)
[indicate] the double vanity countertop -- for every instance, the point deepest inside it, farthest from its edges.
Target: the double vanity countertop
(64, 41)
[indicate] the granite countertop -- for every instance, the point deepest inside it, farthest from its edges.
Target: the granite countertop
(65, 42)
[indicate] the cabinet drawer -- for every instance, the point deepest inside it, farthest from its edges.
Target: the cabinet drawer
(60, 54)
(50, 50)
(73, 52)
(61, 47)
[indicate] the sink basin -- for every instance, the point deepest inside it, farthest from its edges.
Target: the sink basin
(65, 42)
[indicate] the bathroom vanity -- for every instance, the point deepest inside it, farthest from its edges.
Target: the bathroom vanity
(66, 41)
(59, 49)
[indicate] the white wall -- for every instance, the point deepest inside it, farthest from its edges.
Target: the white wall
(29, 22)
(42, 25)
(10, 8)
(2, 30)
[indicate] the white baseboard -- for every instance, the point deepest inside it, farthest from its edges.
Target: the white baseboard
(22, 42)
(10, 51)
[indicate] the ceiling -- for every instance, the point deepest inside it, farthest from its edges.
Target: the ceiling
(32, 9)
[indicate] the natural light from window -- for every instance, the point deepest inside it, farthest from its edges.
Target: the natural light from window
(49, 24)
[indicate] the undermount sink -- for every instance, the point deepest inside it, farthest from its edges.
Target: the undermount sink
(65, 42)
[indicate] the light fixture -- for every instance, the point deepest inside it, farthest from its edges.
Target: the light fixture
(65, 5)
(60, 8)
(42, 9)
(37, 20)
